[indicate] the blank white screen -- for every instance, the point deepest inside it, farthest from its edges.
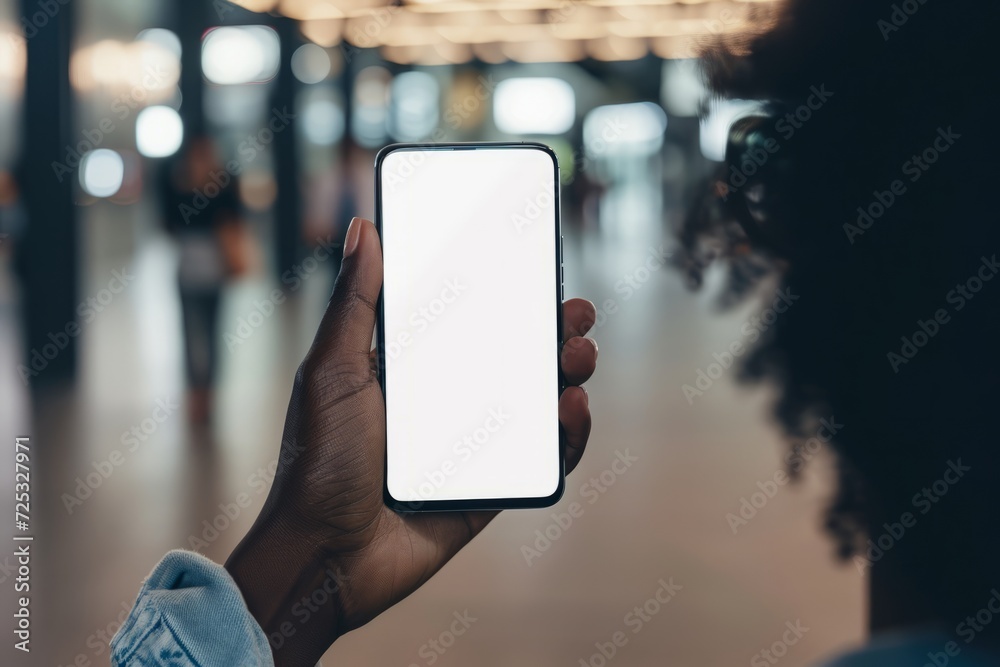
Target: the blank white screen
(471, 346)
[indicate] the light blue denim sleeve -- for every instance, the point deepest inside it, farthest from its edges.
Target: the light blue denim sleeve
(190, 613)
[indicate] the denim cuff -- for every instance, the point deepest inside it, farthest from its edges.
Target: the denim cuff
(190, 613)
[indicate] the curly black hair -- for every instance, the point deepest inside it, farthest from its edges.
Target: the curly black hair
(866, 186)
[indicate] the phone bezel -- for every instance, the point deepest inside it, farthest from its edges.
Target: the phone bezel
(478, 504)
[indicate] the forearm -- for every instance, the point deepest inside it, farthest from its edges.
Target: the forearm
(291, 588)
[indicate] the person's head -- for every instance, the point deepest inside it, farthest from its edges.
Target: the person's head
(867, 193)
(200, 159)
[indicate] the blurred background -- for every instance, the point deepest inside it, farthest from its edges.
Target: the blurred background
(175, 182)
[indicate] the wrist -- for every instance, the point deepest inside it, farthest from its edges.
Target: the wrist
(291, 587)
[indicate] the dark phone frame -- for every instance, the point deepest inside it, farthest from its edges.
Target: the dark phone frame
(478, 504)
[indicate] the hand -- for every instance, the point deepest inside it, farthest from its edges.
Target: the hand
(326, 555)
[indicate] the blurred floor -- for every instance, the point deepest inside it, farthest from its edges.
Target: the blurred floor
(664, 518)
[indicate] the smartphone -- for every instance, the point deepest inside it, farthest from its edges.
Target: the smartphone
(469, 325)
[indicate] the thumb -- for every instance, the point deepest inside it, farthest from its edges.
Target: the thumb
(345, 333)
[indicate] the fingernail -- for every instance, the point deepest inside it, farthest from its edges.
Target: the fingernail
(353, 235)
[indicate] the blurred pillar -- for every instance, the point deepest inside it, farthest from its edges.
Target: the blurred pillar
(288, 206)
(48, 254)
(191, 20)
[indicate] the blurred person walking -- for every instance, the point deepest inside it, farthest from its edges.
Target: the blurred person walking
(201, 210)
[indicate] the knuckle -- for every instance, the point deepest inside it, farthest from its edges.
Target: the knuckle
(353, 298)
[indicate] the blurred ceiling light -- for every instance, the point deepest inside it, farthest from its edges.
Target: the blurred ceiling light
(491, 53)
(684, 47)
(240, 54)
(523, 15)
(442, 53)
(714, 130)
(415, 106)
(12, 66)
(613, 48)
(494, 33)
(436, 6)
(666, 28)
(483, 16)
(305, 10)
(400, 36)
(139, 72)
(440, 31)
(454, 54)
(544, 51)
(538, 105)
(310, 63)
(633, 129)
(323, 122)
(102, 172)
(682, 88)
(159, 131)
(308, 10)
(578, 30)
(401, 55)
(324, 32)
(578, 21)
(161, 37)
(258, 6)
